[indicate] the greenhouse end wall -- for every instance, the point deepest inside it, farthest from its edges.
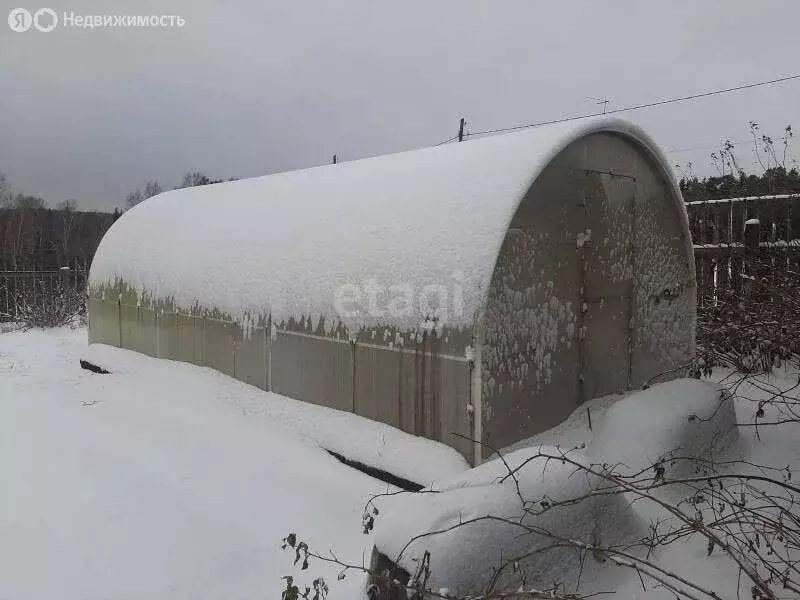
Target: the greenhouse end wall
(593, 292)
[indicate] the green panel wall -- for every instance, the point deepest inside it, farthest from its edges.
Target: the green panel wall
(313, 368)
(103, 322)
(251, 358)
(219, 345)
(167, 345)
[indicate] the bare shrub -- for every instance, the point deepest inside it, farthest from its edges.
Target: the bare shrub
(756, 328)
(744, 511)
(49, 302)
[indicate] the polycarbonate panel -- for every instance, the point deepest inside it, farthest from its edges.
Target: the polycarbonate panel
(592, 292)
(313, 368)
(129, 326)
(605, 364)
(190, 338)
(167, 336)
(529, 371)
(103, 322)
(377, 383)
(664, 290)
(454, 386)
(147, 332)
(251, 358)
(408, 392)
(219, 341)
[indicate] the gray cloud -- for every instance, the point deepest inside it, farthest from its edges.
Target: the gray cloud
(253, 87)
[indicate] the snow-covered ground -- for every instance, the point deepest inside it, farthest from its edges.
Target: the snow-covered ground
(159, 481)
(166, 480)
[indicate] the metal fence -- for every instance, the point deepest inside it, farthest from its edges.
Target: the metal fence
(37, 290)
(736, 239)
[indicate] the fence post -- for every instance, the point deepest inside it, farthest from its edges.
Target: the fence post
(752, 233)
(119, 318)
(268, 342)
(6, 277)
(752, 236)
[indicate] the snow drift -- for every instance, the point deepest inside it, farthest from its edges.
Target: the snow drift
(669, 422)
(486, 524)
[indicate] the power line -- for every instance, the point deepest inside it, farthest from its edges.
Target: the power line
(699, 148)
(447, 141)
(635, 107)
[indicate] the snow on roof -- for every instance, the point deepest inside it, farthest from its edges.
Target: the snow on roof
(284, 244)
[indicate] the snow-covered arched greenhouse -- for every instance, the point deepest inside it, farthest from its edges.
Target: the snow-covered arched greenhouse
(484, 288)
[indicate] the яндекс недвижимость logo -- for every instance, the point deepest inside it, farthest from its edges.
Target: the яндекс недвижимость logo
(21, 19)
(46, 20)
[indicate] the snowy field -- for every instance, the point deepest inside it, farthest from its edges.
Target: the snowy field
(159, 481)
(166, 480)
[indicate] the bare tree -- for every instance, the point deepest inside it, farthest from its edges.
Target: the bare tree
(27, 202)
(133, 198)
(5, 192)
(196, 178)
(18, 230)
(66, 220)
(70, 205)
(9, 199)
(151, 188)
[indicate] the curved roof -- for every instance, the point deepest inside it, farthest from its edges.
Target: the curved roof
(285, 243)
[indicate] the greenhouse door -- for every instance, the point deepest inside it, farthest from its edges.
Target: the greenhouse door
(607, 252)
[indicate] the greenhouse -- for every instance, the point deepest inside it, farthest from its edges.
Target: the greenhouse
(474, 293)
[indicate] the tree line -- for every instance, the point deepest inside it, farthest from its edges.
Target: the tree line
(153, 188)
(35, 236)
(14, 199)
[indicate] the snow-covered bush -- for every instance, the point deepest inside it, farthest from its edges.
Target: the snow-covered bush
(668, 500)
(669, 425)
(518, 510)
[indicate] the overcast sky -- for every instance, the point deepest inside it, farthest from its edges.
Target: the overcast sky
(258, 86)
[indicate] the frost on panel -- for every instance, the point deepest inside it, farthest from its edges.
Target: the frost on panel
(606, 278)
(617, 209)
(664, 290)
(530, 324)
(638, 278)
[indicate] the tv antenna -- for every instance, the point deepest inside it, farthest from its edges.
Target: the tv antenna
(600, 101)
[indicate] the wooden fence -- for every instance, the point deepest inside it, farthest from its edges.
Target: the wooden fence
(736, 239)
